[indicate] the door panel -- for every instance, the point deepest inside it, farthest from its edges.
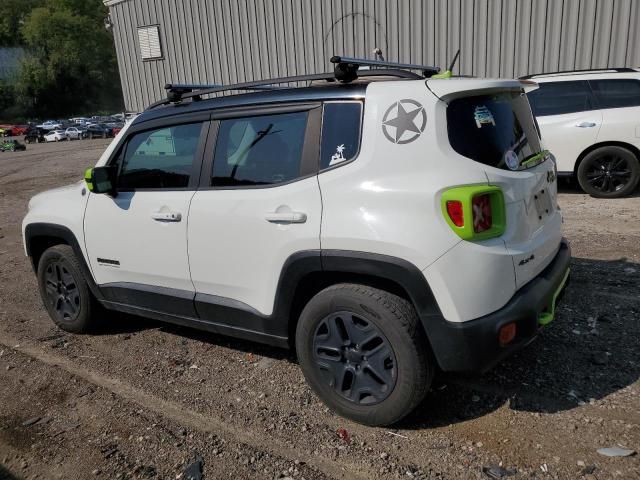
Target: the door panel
(566, 136)
(137, 240)
(125, 243)
(237, 246)
(258, 205)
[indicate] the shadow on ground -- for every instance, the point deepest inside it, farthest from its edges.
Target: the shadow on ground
(7, 475)
(588, 352)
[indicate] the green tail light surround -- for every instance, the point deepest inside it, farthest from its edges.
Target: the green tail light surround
(465, 195)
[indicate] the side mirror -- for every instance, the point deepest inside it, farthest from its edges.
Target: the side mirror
(101, 180)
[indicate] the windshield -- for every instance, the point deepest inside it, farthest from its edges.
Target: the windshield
(496, 130)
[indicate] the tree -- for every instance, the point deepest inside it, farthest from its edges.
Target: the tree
(12, 16)
(71, 64)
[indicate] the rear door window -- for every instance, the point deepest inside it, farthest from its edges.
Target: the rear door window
(616, 93)
(557, 98)
(341, 126)
(496, 130)
(259, 150)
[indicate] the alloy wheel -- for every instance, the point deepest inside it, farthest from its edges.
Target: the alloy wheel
(62, 291)
(609, 173)
(355, 357)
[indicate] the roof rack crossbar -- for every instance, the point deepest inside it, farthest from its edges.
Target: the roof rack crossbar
(178, 92)
(569, 72)
(383, 63)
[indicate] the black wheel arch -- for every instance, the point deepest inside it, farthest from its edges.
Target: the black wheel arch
(38, 237)
(307, 273)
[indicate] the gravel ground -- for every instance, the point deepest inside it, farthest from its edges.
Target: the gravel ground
(146, 400)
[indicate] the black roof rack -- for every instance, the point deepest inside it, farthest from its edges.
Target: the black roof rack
(569, 72)
(345, 71)
(346, 68)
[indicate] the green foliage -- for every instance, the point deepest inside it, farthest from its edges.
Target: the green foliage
(71, 65)
(12, 15)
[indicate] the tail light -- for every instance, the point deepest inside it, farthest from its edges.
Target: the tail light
(481, 206)
(474, 212)
(454, 209)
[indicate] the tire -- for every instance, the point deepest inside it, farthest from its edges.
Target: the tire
(388, 387)
(69, 302)
(609, 172)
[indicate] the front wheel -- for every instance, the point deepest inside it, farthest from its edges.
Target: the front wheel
(65, 291)
(364, 353)
(609, 172)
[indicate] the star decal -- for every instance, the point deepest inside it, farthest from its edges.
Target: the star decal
(410, 117)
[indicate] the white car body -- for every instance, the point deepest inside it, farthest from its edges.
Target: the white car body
(570, 131)
(56, 136)
(232, 245)
(50, 125)
(75, 133)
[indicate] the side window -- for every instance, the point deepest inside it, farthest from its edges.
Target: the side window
(260, 150)
(160, 158)
(616, 93)
(556, 98)
(341, 126)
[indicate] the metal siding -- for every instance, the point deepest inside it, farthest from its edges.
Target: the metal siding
(226, 41)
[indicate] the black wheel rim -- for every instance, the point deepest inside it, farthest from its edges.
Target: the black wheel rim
(609, 173)
(61, 290)
(355, 358)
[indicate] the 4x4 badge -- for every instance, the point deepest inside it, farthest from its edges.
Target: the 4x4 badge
(404, 121)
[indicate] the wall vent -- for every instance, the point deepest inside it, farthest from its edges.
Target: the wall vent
(149, 39)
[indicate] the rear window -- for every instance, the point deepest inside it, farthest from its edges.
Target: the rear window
(497, 130)
(557, 98)
(616, 93)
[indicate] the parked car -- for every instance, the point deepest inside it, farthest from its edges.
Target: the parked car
(50, 125)
(19, 130)
(76, 133)
(99, 131)
(589, 120)
(34, 135)
(314, 219)
(11, 146)
(55, 136)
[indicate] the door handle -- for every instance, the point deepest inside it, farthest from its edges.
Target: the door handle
(586, 124)
(286, 217)
(167, 216)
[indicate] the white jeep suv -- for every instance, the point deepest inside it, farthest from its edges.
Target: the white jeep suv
(590, 120)
(385, 226)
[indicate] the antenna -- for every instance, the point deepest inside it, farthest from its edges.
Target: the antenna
(453, 62)
(448, 72)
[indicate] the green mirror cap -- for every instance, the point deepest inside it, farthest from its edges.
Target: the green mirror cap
(88, 178)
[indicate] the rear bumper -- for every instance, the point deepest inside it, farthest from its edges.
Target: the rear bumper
(473, 346)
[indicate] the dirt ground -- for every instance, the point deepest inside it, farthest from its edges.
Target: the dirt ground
(145, 400)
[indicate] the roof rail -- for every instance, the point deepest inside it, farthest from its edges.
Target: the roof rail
(569, 72)
(179, 92)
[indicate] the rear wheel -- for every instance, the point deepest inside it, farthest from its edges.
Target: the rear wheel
(65, 292)
(609, 172)
(364, 353)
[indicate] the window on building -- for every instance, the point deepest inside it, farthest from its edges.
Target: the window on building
(556, 98)
(616, 93)
(161, 158)
(261, 150)
(340, 132)
(149, 39)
